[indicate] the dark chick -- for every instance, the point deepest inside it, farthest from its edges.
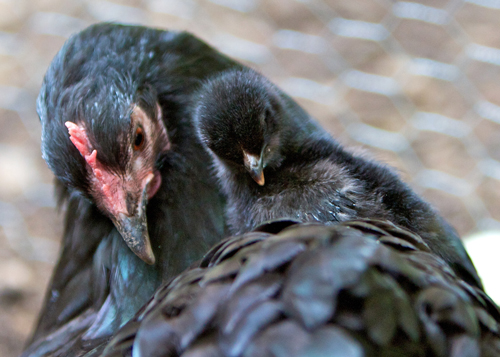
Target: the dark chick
(116, 132)
(272, 161)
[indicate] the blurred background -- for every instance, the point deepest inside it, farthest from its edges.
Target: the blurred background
(417, 84)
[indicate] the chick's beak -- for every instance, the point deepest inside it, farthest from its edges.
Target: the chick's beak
(253, 165)
(133, 227)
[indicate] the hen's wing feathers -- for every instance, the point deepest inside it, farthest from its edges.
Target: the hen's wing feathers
(362, 288)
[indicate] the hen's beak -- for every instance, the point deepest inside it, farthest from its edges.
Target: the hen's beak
(134, 229)
(253, 164)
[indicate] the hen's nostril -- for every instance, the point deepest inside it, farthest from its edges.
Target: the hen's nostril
(130, 204)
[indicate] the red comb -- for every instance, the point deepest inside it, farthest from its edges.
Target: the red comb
(78, 137)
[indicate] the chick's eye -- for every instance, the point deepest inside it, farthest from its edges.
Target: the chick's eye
(139, 139)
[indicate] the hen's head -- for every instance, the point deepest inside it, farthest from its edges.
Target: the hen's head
(107, 142)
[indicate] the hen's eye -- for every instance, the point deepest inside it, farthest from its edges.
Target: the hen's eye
(139, 139)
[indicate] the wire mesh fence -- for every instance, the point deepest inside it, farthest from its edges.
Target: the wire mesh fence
(414, 83)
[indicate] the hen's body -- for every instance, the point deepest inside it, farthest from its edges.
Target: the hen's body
(98, 283)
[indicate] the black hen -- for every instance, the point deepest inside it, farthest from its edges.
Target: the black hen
(358, 288)
(273, 162)
(116, 132)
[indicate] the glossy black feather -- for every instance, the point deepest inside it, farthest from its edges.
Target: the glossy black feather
(308, 175)
(99, 283)
(353, 289)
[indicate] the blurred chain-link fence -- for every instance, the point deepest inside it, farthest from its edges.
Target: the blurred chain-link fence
(415, 83)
